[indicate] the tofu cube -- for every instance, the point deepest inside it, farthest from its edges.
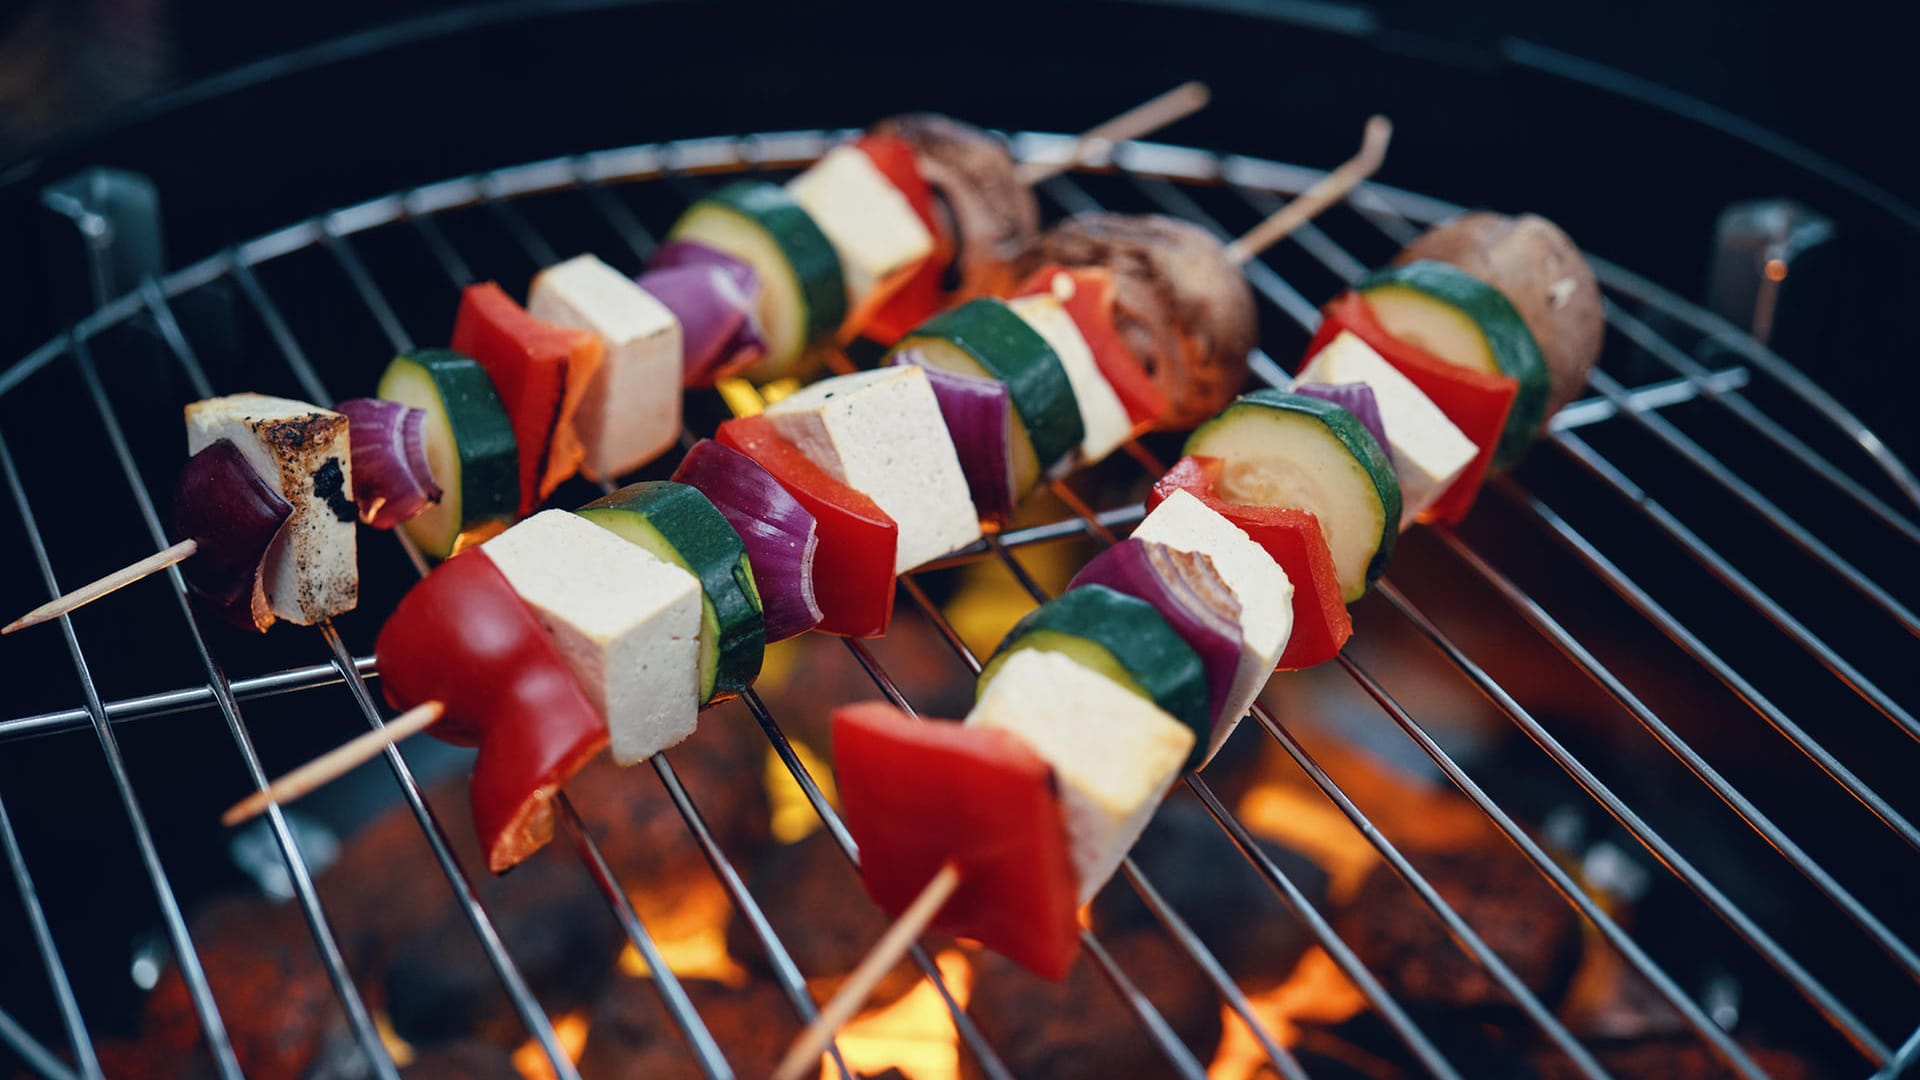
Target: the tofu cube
(627, 623)
(312, 571)
(1114, 753)
(1428, 450)
(1101, 412)
(1184, 523)
(871, 225)
(881, 433)
(630, 413)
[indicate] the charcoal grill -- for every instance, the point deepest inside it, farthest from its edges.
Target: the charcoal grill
(1658, 458)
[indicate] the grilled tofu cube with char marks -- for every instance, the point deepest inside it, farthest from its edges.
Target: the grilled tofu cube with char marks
(301, 451)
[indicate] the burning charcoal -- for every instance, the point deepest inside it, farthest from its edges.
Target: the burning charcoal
(466, 1060)
(555, 924)
(813, 899)
(631, 1033)
(1680, 1057)
(1201, 873)
(1366, 1048)
(643, 836)
(269, 985)
(1079, 1027)
(1520, 917)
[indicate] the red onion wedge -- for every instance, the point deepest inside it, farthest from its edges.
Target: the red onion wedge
(979, 416)
(1357, 398)
(779, 533)
(222, 505)
(1184, 587)
(716, 298)
(392, 480)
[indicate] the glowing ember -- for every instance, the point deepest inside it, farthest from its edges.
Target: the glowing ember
(914, 1034)
(1317, 991)
(531, 1060)
(691, 937)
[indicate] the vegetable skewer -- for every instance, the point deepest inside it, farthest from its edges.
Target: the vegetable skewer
(94, 590)
(344, 759)
(545, 371)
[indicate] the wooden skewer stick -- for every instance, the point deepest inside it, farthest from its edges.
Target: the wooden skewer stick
(805, 1053)
(88, 593)
(1181, 101)
(1331, 189)
(335, 763)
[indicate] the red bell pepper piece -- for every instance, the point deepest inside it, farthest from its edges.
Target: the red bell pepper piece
(1476, 401)
(1089, 294)
(541, 372)
(918, 794)
(1321, 625)
(921, 296)
(853, 564)
(463, 638)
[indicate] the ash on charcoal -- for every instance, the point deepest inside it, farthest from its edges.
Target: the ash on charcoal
(631, 1034)
(1200, 872)
(554, 923)
(1366, 1048)
(469, 1059)
(1078, 1028)
(813, 899)
(1519, 916)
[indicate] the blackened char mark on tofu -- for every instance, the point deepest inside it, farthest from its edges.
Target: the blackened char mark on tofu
(330, 486)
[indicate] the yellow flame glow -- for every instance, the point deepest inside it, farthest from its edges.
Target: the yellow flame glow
(914, 1034)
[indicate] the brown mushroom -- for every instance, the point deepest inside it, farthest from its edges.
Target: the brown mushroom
(1182, 307)
(1542, 273)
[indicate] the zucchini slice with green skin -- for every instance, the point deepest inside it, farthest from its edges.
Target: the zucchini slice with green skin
(470, 445)
(986, 337)
(1127, 640)
(1459, 318)
(677, 524)
(803, 292)
(1288, 450)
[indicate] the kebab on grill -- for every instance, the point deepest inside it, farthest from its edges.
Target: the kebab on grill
(807, 512)
(751, 278)
(1144, 665)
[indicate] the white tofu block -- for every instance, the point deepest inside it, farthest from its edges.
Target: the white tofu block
(1101, 412)
(1114, 753)
(630, 413)
(870, 224)
(881, 433)
(300, 450)
(627, 623)
(1184, 523)
(1428, 450)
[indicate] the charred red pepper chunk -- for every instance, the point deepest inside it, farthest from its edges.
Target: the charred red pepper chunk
(918, 794)
(1321, 625)
(1088, 294)
(1476, 402)
(922, 296)
(463, 638)
(541, 371)
(853, 564)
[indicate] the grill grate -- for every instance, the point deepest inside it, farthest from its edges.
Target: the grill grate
(1209, 190)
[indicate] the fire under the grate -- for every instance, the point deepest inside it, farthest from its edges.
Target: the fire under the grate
(440, 1006)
